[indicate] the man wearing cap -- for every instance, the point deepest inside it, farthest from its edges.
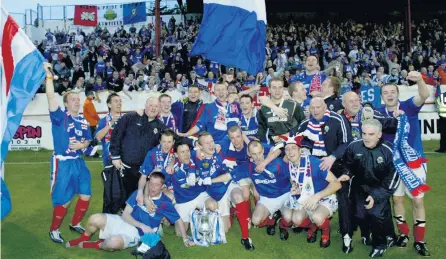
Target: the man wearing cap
(313, 199)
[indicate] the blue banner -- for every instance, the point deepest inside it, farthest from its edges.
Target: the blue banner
(134, 13)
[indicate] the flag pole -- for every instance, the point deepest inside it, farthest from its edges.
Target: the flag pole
(157, 27)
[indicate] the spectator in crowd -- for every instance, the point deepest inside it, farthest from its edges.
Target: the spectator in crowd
(90, 113)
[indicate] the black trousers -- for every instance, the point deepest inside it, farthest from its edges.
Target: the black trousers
(345, 210)
(442, 134)
(377, 220)
(131, 178)
(94, 142)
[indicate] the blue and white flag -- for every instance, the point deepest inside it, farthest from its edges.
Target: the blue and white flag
(21, 72)
(233, 33)
(134, 13)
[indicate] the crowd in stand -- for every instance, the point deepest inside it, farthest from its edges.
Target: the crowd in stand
(361, 55)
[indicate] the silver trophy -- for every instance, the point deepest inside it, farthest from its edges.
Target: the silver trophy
(205, 226)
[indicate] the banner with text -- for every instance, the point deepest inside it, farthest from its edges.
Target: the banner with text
(110, 15)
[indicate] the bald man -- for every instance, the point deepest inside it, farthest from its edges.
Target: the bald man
(327, 135)
(355, 113)
(132, 138)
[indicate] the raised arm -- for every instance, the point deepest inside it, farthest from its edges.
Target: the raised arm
(49, 88)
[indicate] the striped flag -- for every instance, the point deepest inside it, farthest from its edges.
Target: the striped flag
(21, 72)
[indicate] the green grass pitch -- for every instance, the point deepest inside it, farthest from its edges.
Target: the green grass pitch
(24, 233)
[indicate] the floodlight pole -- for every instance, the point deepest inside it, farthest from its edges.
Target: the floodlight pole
(157, 27)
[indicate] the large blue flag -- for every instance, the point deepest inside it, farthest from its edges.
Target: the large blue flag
(134, 13)
(21, 72)
(233, 33)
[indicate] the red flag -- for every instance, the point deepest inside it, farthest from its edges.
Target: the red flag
(86, 15)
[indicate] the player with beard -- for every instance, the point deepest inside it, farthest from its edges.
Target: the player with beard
(411, 107)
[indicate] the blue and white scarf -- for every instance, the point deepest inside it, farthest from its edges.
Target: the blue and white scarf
(314, 133)
(408, 162)
(306, 187)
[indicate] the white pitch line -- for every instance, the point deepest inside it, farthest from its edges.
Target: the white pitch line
(93, 161)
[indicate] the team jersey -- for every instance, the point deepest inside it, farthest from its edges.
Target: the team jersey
(274, 181)
(170, 121)
(109, 72)
(411, 111)
(318, 175)
(249, 126)
(183, 192)
(200, 70)
(103, 122)
(310, 81)
(213, 168)
(164, 209)
(215, 117)
(100, 67)
(214, 68)
(137, 58)
(371, 94)
(157, 160)
(67, 128)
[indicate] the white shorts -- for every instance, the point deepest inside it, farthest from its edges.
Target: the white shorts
(184, 209)
(116, 226)
(274, 204)
(331, 203)
(245, 181)
(401, 188)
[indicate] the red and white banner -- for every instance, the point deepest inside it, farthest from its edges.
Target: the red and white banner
(86, 15)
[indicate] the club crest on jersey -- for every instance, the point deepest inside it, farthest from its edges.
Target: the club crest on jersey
(78, 132)
(331, 107)
(206, 165)
(326, 128)
(307, 187)
(380, 160)
(155, 131)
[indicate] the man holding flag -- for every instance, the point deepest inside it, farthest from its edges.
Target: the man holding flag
(21, 74)
(69, 173)
(411, 163)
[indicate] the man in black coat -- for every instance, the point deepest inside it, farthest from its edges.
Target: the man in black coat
(132, 138)
(370, 161)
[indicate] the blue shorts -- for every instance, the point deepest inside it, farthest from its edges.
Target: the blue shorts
(68, 178)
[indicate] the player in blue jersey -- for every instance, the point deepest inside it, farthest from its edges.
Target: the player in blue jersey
(189, 195)
(273, 186)
(107, 124)
(411, 107)
(248, 122)
(120, 232)
(69, 173)
(298, 93)
(215, 116)
(158, 159)
(313, 191)
(214, 173)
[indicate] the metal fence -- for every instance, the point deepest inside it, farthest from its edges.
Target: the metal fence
(66, 12)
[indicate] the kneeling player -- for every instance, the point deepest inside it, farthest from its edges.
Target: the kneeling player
(215, 175)
(120, 232)
(188, 194)
(273, 186)
(314, 192)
